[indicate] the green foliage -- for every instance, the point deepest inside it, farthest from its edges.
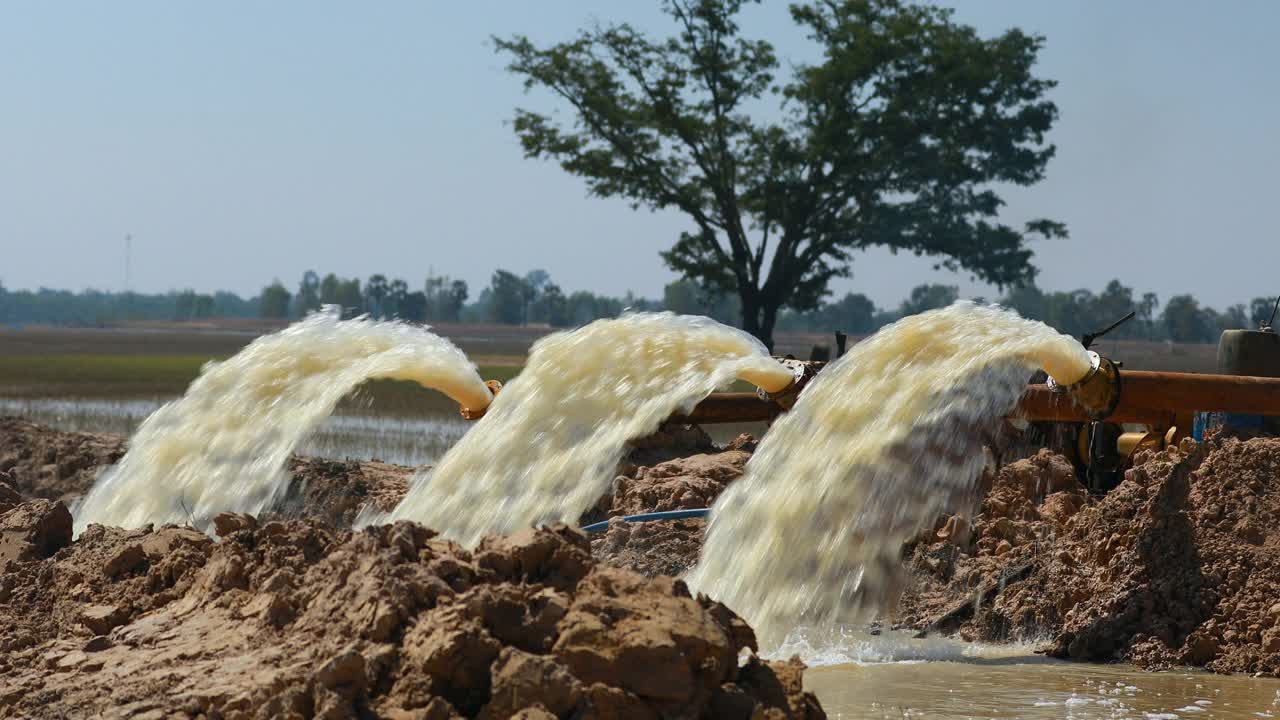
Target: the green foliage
(190, 306)
(95, 308)
(508, 295)
(1261, 311)
(853, 314)
(375, 294)
(686, 297)
(275, 301)
(308, 297)
(350, 298)
(895, 138)
(928, 297)
(445, 298)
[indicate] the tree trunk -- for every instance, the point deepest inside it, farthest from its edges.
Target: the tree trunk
(758, 315)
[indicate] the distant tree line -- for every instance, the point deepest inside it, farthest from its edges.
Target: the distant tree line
(1075, 312)
(534, 299)
(509, 299)
(91, 308)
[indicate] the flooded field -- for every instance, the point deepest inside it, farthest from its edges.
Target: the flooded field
(351, 433)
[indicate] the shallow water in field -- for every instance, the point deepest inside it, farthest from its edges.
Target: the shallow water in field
(404, 440)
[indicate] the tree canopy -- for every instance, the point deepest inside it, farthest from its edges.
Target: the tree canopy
(895, 138)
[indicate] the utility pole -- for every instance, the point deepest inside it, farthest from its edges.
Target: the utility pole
(128, 261)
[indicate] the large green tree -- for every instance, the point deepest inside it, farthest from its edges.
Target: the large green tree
(896, 137)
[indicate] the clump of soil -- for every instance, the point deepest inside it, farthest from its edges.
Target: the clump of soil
(299, 619)
(41, 462)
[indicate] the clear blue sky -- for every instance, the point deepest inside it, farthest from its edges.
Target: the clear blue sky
(241, 141)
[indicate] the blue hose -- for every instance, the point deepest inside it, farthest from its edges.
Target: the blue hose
(646, 517)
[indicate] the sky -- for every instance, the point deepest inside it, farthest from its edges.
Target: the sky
(239, 142)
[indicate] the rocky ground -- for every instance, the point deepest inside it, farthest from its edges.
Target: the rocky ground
(1179, 565)
(1176, 566)
(303, 618)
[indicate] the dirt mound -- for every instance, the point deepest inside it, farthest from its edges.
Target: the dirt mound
(668, 547)
(967, 556)
(297, 619)
(30, 530)
(336, 491)
(1177, 565)
(41, 462)
(685, 481)
(45, 463)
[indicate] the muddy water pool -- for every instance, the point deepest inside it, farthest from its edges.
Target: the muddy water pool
(957, 680)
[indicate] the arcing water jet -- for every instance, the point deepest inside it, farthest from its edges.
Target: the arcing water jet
(547, 447)
(875, 447)
(224, 444)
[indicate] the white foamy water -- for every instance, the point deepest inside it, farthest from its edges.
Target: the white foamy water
(880, 442)
(224, 444)
(548, 446)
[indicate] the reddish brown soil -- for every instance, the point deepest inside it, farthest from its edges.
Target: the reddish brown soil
(40, 462)
(300, 618)
(335, 491)
(297, 619)
(46, 463)
(1023, 507)
(1179, 565)
(691, 475)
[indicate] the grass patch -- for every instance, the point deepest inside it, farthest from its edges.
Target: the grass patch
(89, 375)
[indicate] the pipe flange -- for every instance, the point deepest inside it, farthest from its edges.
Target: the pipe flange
(802, 372)
(1098, 392)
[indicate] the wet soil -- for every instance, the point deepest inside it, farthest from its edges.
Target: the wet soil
(41, 462)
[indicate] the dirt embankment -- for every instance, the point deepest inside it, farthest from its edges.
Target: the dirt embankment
(41, 462)
(298, 619)
(302, 618)
(1180, 564)
(688, 476)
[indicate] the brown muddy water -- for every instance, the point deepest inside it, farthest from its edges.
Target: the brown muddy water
(858, 676)
(855, 676)
(991, 685)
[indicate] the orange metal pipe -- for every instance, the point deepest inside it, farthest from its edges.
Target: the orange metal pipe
(731, 408)
(1145, 397)
(1192, 392)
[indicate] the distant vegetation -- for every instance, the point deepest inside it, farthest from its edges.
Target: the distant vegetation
(534, 299)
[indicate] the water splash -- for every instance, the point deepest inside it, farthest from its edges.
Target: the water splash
(882, 440)
(547, 447)
(224, 444)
